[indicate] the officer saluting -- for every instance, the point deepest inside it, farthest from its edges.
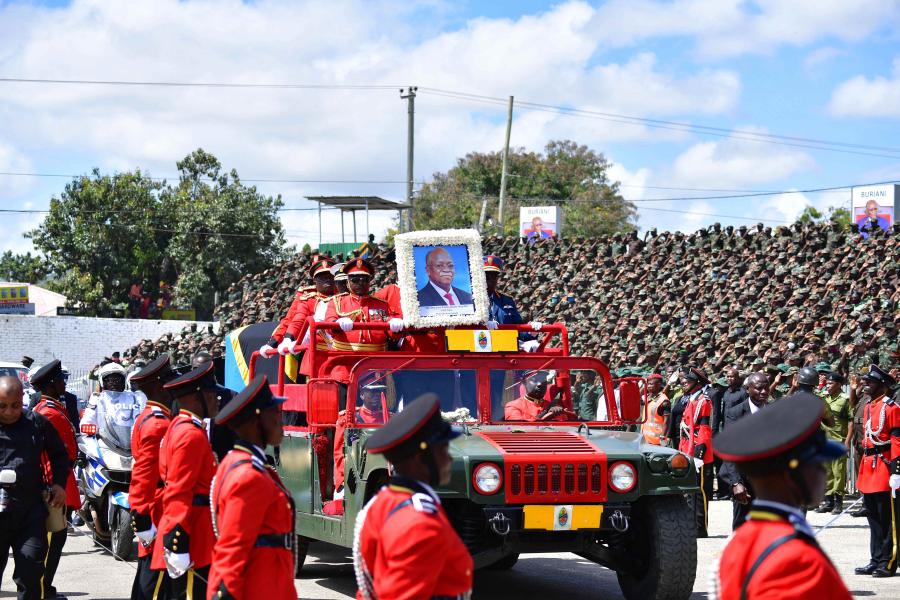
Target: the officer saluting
(879, 473)
(144, 492)
(252, 510)
(24, 437)
(186, 467)
(774, 554)
(404, 545)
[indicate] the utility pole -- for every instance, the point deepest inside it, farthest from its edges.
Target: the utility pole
(409, 94)
(509, 116)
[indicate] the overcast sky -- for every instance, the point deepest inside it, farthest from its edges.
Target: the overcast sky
(820, 69)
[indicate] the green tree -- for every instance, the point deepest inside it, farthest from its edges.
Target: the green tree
(840, 215)
(566, 174)
(810, 214)
(22, 268)
(836, 214)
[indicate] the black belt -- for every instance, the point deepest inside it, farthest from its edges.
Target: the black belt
(200, 500)
(275, 540)
(876, 450)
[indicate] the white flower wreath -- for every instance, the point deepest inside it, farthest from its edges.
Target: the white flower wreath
(406, 276)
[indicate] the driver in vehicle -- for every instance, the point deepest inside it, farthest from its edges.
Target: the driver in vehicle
(533, 406)
(371, 410)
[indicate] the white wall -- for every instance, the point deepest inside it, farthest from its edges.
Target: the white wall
(79, 342)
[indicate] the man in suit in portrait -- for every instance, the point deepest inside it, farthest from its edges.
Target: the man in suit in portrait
(440, 291)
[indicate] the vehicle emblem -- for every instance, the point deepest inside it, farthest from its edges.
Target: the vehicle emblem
(563, 517)
(482, 339)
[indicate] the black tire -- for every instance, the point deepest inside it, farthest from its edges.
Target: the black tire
(506, 563)
(302, 548)
(662, 547)
(122, 535)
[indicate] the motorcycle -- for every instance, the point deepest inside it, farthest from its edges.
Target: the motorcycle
(103, 471)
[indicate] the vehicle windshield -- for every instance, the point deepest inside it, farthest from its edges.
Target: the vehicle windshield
(20, 372)
(117, 412)
(384, 393)
(548, 395)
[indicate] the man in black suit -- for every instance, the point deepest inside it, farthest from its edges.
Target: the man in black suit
(731, 396)
(440, 291)
(741, 491)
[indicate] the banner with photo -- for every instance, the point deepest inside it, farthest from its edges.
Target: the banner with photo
(540, 222)
(874, 206)
(441, 278)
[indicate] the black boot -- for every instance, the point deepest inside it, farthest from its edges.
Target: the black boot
(838, 505)
(827, 505)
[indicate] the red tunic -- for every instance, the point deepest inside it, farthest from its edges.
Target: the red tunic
(186, 466)
(307, 308)
(695, 429)
(359, 309)
(411, 552)
(55, 412)
(796, 570)
(146, 436)
(251, 501)
(877, 437)
(364, 416)
(423, 342)
(298, 304)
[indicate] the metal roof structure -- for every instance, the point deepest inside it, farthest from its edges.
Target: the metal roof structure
(352, 204)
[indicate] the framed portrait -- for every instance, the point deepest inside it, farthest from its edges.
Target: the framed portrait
(441, 278)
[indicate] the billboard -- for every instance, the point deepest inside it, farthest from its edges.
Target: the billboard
(11, 294)
(874, 206)
(540, 222)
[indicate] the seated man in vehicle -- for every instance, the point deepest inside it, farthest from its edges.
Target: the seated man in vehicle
(113, 402)
(533, 406)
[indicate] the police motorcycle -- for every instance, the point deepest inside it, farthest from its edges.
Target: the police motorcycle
(103, 470)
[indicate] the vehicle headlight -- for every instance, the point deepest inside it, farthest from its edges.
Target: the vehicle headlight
(487, 479)
(622, 477)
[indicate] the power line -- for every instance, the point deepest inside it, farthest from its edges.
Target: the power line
(202, 84)
(241, 179)
(705, 214)
(758, 194)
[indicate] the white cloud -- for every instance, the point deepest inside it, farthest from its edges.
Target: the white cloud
(865, 97)
(13, 161)
(821, 56)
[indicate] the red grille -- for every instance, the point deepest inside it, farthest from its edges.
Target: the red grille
(550, 467)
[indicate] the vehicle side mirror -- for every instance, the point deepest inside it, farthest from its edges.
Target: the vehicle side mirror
(630, 397)
(323, 406)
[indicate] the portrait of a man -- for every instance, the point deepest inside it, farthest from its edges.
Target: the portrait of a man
(440, 289)
(872, 217)
(538, 231)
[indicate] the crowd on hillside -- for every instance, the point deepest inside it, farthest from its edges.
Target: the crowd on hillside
(811, 293)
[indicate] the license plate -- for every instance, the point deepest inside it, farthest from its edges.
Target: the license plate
(563, 517)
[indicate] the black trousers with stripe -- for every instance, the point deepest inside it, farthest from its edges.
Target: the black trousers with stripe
(699, 501)
(26, 534)
(884, 528)
(190, 586)
(149, 584)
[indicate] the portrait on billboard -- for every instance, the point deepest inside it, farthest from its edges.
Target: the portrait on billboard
(440, 282)
(539, 223)
(873, 215)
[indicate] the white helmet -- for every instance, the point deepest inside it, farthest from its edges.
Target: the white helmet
(110, 369)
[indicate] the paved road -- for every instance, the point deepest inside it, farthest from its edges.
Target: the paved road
(86, 572)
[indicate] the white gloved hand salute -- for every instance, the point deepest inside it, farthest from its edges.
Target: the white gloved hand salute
(346, 324)
(395, 324)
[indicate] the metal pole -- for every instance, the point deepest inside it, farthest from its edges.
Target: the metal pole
(320, 223)
(368, 233)
(483, 212)
(343, 241)
(353, 214)
(509, 116)
(409, 94)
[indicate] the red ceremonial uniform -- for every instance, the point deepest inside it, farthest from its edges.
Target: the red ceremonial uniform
(254, 516)
(359, 309)
(307, 308)
(364, 416)
(186, 467)
(55, 412)
(298, 306)
(795, 569)
(406, 547)
(696, 433)
(881, 444)
(146, 437)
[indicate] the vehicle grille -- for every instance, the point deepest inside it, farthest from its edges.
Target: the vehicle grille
(550, 467)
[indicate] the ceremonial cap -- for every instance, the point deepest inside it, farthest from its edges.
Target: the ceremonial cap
(158, 370)
(879, 375)
(358, 266)
(415, 428)
(372, 381)
(47, 374)
(322, 265)
(779, 437)
(654, 376)
(193, 381)
(695, 374)
(253, 399)
(338, 271)
(493, 263)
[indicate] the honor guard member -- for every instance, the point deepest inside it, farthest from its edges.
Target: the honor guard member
(186, 466)
(774, 554)
(340, 279)
(145, 489)
(49, 381)
(25, 437)
(404, 545)
(358, 306)
(696, 441)
(286, 334)
(658, 410)
(253, 512)
(879, 472)
(839, 404)
(502, 309)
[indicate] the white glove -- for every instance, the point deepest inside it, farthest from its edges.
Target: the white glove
(894, 483)
(530, 345)
(267, 351)
(146, 537)
(177, 564)
(536, 325)
(492, 325)
(345, 323)
(395, 324)
(286, 346)
(698, 464)
(673, 378)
